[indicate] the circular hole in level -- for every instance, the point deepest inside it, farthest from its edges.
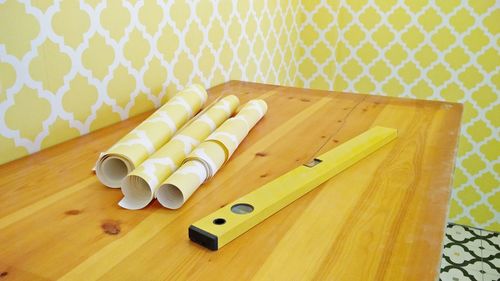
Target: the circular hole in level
(241, 208)
(219, 221)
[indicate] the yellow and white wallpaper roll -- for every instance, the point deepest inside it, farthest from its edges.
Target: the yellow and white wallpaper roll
(232, 132)
(129, 152)
(208, 157)
(198, 168)
(139, 187)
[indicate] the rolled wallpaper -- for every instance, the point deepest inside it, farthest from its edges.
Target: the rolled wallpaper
(130, 151)
(139, 187)
(209, 156)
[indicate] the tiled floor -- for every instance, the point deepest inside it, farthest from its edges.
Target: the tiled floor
(470, 254)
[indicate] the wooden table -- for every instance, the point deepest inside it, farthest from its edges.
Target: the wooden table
(382, 219)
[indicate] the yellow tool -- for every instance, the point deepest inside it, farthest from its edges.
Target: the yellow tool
(229, 222)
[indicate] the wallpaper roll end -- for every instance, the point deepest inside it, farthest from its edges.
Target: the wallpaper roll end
(144, 140)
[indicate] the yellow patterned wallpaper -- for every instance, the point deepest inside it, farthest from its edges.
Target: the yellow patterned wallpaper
(442, 50)
(67, 68)
(70, 67)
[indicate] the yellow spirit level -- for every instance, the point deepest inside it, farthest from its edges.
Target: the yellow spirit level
(229, 222)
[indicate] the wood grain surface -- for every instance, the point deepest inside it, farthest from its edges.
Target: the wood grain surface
(382, 219)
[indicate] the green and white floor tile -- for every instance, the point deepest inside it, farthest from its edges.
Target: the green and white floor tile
(470, 254)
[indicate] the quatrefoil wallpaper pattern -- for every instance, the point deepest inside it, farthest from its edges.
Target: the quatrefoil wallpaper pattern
(440, 50)
(71, 67)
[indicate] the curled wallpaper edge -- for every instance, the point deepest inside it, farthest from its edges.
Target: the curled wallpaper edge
(131, 150)
(204, 162)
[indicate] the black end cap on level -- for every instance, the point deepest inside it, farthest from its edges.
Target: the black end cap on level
(203, 238)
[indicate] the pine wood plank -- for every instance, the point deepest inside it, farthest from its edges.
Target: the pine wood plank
(382, 219)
